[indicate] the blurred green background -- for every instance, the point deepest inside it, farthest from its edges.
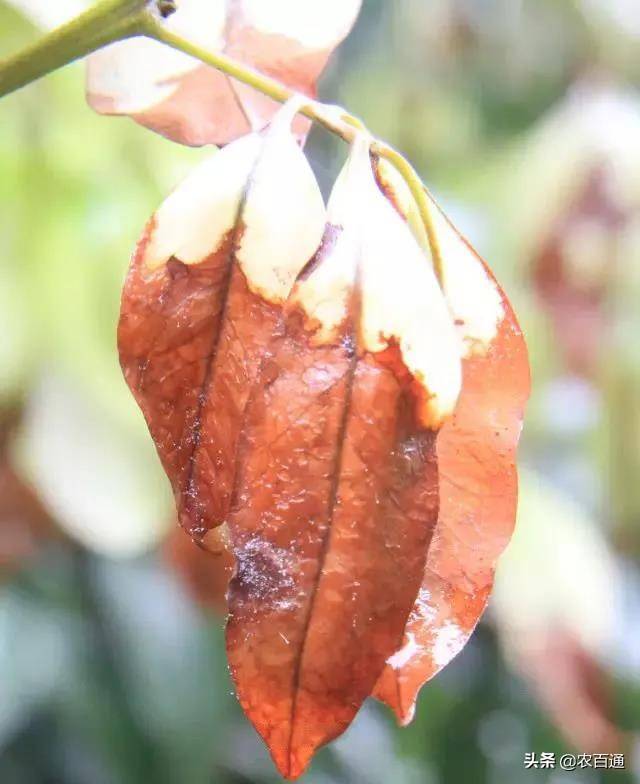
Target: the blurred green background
(523, 116)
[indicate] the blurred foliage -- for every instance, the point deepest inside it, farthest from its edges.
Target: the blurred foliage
(109, 672)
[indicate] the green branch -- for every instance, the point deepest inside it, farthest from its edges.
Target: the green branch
(102, 24)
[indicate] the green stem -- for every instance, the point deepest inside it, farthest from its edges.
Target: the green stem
(421, 198)
(102, 24)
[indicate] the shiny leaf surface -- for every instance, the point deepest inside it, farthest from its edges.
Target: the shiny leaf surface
(476, 452)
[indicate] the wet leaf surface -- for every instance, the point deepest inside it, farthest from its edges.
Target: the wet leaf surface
(192, 332)
(300, 390)
(476, 452)
(337, 489)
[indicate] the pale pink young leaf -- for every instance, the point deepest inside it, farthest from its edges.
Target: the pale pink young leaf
(191, 103)
(288, 40)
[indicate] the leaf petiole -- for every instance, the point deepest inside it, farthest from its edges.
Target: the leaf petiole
(421, 198)
(105, 22)
(334, 119)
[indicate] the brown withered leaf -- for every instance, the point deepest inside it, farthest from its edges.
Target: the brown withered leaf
(194, 104)
(478, 497)
(296, 395)
(338, 487)
(291, 43)
(337, 479)
(476, 452)
(306, 424)
(200, 306)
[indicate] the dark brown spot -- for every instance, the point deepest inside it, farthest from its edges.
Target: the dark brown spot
(177, 269)
(328, 243)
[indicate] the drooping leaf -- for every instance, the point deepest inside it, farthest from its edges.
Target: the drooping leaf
(201, 304)
(476, 464)
(191, 103)
(337, 481)
(294, 378)
(306, 425)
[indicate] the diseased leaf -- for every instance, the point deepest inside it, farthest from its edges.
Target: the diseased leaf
(305, 381)
(336, 488)
(181, 98)
(201, 304)
(476, 463)
(289, 41)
